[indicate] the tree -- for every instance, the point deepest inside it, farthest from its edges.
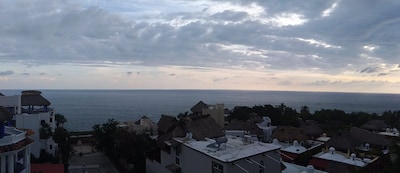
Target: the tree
(305, 112)
(60, 119)
(62, 138)
(45, 132)
(105, 135)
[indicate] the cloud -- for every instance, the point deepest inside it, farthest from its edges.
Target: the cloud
(383, 74)
(370, 70)
(25, 74)
(6, 73)
(220, 79)
(332, 37)
(286, 82)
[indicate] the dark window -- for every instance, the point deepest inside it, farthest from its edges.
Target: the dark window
(217, 168)
(177, 160)
(51, 120)
(51, 147)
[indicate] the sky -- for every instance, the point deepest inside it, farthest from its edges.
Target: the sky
(297, 45)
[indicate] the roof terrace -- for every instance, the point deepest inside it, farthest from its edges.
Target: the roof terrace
(228, 148)
(12, 136)
(333, 155)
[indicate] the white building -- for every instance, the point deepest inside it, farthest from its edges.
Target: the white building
(30, 111)
(222, 155)
(14, 146)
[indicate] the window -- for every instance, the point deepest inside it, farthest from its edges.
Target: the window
(51, 147)
(51, 120)
(217, 168)
(261, 166)
(177, 160)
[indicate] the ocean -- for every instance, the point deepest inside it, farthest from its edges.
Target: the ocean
(85, 108)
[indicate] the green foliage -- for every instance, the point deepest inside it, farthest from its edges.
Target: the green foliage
(60, 119)
(105, 135)
(241, 113)
(45, 132)
(61, 137)
(132, 147)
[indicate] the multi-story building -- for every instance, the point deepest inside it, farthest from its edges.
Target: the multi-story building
(31, 111)
(227, 154)
(14, 146)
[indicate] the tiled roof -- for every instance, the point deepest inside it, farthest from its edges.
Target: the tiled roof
(47, 168)
(16, 146)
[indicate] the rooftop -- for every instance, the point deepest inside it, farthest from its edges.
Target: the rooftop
(292, 168)
(390, 132)
(47, 168)
(13, 136)
(231, 149)
(341, 157)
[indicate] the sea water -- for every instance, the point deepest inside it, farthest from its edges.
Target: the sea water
(85, 108)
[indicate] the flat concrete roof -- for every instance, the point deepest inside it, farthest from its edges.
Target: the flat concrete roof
(234, 149)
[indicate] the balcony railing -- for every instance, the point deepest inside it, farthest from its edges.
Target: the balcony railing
(13, 136)
(36, 110)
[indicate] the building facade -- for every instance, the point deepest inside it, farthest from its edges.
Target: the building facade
(14, 146)
(30, 111)
(221, 155)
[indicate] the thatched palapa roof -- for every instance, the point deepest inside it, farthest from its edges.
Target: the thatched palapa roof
(203, 127)
(375, 125)
(244, 125)
(5, 115)
(344, 141)
(200, 126)
(369, 137)
(33, 98)
(356, 137)
(166, 123)
(310, 128)
(198, 108)
(288, 133)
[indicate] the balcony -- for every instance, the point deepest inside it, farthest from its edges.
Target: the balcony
(36, 110)
(13, 136)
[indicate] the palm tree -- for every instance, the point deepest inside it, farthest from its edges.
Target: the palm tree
(45, 132)
(60, 119)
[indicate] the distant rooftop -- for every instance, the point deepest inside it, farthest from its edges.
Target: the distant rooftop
(390, 132)
(234, 148)
(292, 168)
(333, 155)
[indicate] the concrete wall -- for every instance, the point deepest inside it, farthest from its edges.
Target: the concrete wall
(193, 161)
(217, 113)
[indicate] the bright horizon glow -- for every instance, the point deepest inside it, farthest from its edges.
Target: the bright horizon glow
(330, 46)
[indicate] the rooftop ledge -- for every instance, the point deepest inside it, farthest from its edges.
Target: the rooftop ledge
(13, 136)
(234, 148)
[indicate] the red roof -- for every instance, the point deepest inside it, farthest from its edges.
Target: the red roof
(319, 163)
(47, 168)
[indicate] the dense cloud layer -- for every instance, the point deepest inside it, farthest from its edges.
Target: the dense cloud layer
(334, 37)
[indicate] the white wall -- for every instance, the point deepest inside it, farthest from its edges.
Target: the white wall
(32, 121)
(196, 162)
